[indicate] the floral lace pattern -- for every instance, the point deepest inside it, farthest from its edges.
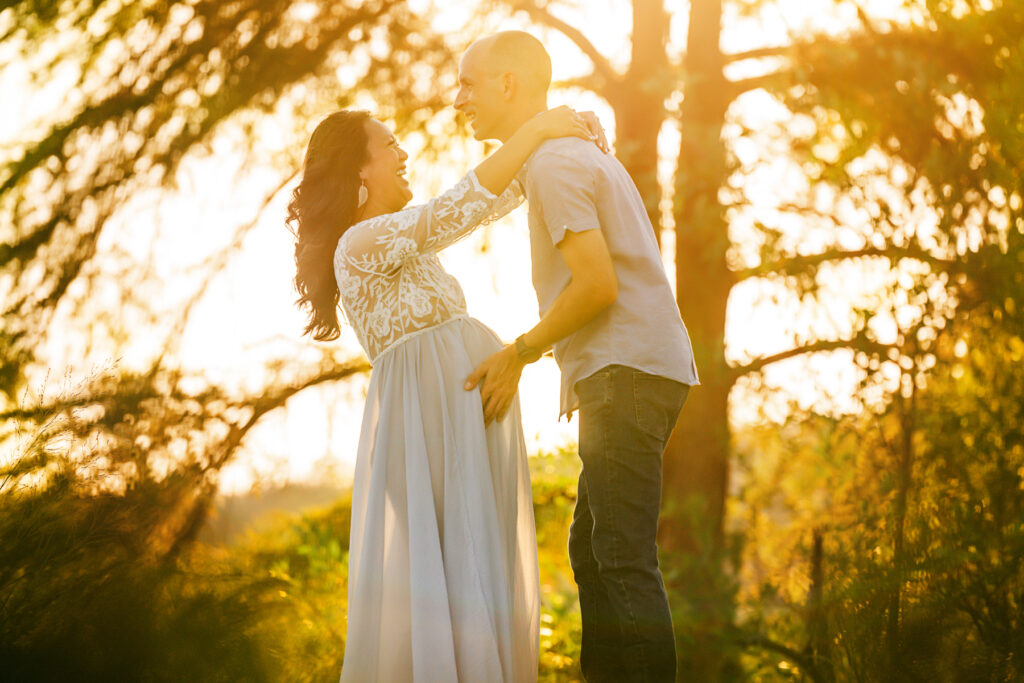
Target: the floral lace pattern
(391, 281)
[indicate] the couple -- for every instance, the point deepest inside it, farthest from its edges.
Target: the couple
(443, 579)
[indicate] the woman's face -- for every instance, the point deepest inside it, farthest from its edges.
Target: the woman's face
(384, 171)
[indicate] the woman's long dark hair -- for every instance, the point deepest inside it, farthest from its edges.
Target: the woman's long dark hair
(322, 208)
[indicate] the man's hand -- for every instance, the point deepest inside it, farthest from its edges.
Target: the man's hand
(498, 377)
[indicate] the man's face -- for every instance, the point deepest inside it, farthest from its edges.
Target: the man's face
(480, 95)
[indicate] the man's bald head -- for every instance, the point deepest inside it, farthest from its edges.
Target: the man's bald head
(519, 53)
(503, 81)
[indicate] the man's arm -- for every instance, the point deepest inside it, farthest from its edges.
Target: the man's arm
(592, 288)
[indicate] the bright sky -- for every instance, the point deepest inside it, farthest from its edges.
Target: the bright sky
(248, 314)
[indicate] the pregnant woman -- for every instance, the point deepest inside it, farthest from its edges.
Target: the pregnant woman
(442, 561)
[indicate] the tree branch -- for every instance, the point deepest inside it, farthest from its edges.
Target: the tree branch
(858, 343)
(214, 265)
(760, 53)
(869, 25)
(797, 263)
(591, 81)
(768, 81)
(268, 402)
(756, 640)
(541, 15)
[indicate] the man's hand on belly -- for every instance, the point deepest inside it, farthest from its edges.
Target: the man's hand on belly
(498, 378)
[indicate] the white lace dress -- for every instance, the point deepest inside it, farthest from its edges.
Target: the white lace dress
(443, 579)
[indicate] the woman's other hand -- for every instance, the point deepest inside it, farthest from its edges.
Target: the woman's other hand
(561, 122)
(596, 129)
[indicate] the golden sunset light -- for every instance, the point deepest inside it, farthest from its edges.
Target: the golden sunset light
(246, 318)
(836, 192)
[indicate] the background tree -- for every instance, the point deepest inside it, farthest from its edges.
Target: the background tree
(106, 483)
(951, 233)
(915, 511)
(883, 120)
(147, 85)
(895, 216)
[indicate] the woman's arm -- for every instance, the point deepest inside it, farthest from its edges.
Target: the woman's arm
(498, 170)
(381, 244)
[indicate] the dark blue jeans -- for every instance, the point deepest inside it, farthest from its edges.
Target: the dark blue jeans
(625, 419)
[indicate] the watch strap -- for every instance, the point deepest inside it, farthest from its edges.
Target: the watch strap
(526, 353)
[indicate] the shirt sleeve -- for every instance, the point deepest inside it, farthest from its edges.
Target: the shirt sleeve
(384, 243)
(563, 189)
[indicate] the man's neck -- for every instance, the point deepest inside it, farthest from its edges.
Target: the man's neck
(517, 117)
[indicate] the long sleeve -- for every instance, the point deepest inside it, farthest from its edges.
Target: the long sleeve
(382, 244)
(506, 202)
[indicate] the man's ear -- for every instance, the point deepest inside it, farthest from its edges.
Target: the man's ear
(509, 83)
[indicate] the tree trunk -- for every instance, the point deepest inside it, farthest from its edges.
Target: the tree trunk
(639, 103)
(696, 460)
(904, 482)
(818, 642)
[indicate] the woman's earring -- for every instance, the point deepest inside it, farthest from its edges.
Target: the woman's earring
(364, 194)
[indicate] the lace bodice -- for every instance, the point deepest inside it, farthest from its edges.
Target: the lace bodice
(391, 281)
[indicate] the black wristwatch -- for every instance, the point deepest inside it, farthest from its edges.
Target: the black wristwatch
(527, 354)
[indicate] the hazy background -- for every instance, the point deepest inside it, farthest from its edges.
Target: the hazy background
(836, 187)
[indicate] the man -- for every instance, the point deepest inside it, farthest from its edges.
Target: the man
(626, 362)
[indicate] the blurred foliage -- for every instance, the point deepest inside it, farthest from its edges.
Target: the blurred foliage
(99, 507)
(887, 545)
(553, 479)
(146, 84)
(883, 545)
(308, 556)
(83, 598)
(922, 504)
(815, 534)
(909, 138)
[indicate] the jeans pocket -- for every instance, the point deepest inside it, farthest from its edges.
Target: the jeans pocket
(594, 391)
(657, 402)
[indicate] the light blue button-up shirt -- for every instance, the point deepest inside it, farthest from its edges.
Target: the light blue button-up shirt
(571, 185)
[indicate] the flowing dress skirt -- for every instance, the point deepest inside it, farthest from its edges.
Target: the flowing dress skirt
(443, 581)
